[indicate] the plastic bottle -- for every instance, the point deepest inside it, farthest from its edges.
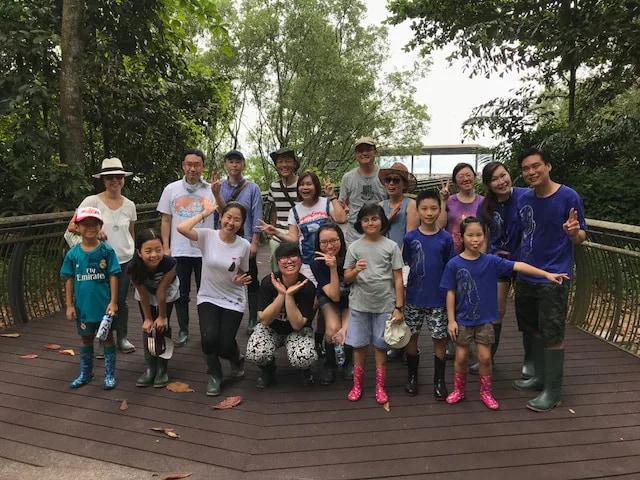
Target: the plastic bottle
(340, 356)
(105, 326)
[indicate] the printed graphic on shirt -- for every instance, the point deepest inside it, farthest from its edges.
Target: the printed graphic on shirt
(467, 294)
(528, 230)
(497, 227)
(367, 194)
(188, 206)
(417, 264)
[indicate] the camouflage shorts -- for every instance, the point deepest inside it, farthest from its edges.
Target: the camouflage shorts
(436, 318)
(542, 307)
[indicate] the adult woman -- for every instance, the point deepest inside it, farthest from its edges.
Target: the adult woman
(333, 297)
(119, 214)
(401, 211)
(306, 217)
(222, 296)
(499, 213)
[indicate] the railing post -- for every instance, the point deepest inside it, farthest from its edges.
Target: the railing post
(583, 280)
(16, 283)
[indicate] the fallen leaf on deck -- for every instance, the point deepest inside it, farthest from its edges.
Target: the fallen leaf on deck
(228, 402)
(572, 410)
(179, 387)
(167, 431)
(158, 429)
(29, 356)
(10, 335)
(52, 346)
(124, 405)
(67, 352)
(172, 434)
(386, 407)
(175, 476)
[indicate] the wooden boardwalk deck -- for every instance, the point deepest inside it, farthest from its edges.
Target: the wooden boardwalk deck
(48, 430)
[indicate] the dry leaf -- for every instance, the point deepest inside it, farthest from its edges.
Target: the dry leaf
(124, 405)
(175, 476)
(172, 434)
(179, 387)
(29, 356)
(158, 429)
(386, 407)
(228, 402)
(67, 352)
(572, 410)
(52, 346)
(167, 431)
(10, 335)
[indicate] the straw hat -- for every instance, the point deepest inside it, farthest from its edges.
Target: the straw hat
(111, 166)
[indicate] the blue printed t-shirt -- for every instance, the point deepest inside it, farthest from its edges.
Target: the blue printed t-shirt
(426, 255)
(544, 242)
(476, 285)
(90, 272)
(322, 274)
(505, 226)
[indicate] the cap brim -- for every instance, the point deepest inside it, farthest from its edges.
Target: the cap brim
(168, 349)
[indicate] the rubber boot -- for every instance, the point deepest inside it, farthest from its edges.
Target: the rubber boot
(486, 394)
(450, 351)
(497, 330)
(536, 382)
(237, 366)
(151, 362)
(528, 367)
(100, 350)
(381, 394)
(162, 377)
(182, 312)
(412, 371)
(347, 369)
(252, 300)
(551, 396)
(109, 367)
(214, 369)
(459, 387)
(307, 377)
(440, 391)
(356, 392)
(328, 375)
(268, 376)
(122, 328)
(86, 367)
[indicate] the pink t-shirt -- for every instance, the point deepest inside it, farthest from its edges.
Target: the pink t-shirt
(456, 212)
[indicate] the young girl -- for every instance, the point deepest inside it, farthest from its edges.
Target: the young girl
(471, 283)
(221, 298)
(153, 275)
(333, 297)
(373, 267)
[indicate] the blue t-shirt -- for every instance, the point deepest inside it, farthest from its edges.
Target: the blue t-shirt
(322, 275)
(476, 285)
(544, 242)
(426, 255)
(90, 272)
(505, 226)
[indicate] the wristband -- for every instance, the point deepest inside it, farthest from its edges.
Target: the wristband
(332, 199)
(399, 308)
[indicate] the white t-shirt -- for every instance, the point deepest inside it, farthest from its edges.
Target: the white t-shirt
(182, 200)
(358, 190)
(116, 225)
(311, 218)
(220, 263)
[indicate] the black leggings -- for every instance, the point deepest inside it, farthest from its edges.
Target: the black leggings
(218, 329)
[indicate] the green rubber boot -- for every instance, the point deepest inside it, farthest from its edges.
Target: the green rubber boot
(151, 364)
(214, 369)
(268, 376)
(121, 327)
(528, 367)
(252, 300)
(536, 382)
(551, 396)
(182, 312)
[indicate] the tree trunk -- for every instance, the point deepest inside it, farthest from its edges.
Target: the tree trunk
(71, 116)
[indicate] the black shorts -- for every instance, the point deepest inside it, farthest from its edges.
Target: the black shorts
(542, 308)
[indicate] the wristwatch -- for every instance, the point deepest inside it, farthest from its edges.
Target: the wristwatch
(399, 308)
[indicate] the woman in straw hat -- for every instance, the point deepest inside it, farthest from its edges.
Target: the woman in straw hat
(119, 214)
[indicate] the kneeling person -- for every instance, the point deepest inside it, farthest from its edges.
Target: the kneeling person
(285, 313)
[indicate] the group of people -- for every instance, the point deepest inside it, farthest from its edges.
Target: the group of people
(353, 264)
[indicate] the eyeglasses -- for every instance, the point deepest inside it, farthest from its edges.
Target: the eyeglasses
(390, 179)
(291, 259)
(331, 241)
(370, 220)
(113, 177)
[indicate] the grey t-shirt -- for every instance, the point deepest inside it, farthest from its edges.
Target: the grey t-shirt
(373, 290)
(358, 190)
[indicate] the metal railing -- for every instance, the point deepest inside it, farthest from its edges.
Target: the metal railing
(604, 298)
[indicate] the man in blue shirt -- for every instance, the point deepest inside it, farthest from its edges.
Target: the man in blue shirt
(552, 217)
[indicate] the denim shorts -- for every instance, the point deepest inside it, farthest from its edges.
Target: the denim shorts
(366, 328)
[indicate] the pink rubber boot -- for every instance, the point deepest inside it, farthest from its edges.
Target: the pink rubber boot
(485, 393)
(459, 384)
(381, 395)
(356, 392)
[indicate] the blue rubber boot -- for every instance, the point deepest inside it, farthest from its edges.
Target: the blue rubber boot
(86, 367)
(109, 367)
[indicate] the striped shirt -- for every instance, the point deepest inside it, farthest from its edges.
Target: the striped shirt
(279, 198)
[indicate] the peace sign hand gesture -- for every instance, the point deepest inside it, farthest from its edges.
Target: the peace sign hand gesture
(216, 184)
(572, 227)
(328, 187)
(444, 190)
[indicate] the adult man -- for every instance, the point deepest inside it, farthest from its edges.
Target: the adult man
(283, 193)
(237, 188)
(286, 313)
(180, 200)
(552, 217)
(361, 185)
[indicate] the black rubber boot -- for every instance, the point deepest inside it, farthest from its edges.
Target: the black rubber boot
(412, 369)
(347, 369)
(237, 366)
(182, 312)
(214, 369)
(536, 382)
(268, 376)
(439, 384)
(328, 375)
(252, 300)
(528, 366)
(151, 364)
(551, 396)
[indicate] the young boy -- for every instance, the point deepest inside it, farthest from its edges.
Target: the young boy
(427, 249)
(90, 270)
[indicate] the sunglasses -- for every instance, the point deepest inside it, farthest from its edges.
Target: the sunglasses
(113, 177)
(390, 179)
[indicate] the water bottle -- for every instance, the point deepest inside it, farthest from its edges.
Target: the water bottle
(340, 356)
(105, 326)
